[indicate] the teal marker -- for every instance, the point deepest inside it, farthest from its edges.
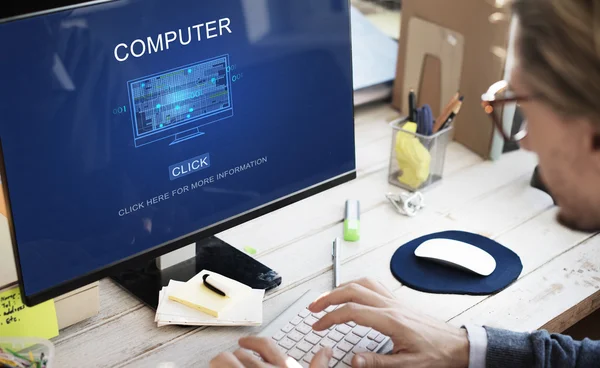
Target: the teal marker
(352, 221)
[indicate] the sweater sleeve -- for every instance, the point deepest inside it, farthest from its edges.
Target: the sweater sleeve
(539, 349)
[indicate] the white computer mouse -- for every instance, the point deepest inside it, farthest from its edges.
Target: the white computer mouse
(457, 254)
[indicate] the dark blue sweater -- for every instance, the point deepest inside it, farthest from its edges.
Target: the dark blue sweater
(539, 350)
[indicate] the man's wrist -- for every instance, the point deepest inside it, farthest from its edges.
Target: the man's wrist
(457, 354)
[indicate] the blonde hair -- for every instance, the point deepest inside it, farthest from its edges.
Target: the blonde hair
(559, 50)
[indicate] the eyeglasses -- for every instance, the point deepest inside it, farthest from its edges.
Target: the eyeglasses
(500, 98)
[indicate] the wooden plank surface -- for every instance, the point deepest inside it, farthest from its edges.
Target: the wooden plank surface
(493, 199)
(552, 290)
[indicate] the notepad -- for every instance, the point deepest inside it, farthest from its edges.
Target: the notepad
(246, 312)
(196, 295)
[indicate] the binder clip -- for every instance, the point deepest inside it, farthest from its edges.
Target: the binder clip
(408, 204)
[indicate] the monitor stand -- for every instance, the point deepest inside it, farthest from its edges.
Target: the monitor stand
(188, 134)
(145, 281)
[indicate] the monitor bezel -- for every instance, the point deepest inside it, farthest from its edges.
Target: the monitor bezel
(12, 10)
(36, 9)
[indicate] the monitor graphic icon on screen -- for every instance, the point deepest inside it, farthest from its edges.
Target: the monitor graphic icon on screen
(175, 103)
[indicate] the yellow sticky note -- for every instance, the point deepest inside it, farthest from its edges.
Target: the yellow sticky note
(196, 295)
(20, 321)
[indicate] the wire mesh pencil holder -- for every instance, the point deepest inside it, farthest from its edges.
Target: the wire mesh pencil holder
(416, 161)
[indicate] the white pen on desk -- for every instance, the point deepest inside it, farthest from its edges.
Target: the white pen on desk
(335, 254)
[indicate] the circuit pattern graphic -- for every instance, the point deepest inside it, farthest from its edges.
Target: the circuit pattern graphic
(180, 95)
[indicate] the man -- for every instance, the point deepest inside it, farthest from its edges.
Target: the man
(556, 82)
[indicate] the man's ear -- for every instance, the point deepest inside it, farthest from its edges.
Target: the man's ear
(592, 142)
(595, 149)
(596, 142)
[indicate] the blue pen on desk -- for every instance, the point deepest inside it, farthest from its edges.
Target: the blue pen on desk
(335, 254)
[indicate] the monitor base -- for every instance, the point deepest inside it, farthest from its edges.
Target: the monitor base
(145, 281)
(188, 134)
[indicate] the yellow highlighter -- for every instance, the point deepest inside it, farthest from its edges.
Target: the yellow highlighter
(352, 221)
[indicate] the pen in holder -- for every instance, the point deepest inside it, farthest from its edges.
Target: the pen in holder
(416, 160)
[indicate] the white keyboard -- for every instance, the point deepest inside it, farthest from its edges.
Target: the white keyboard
(293, 333)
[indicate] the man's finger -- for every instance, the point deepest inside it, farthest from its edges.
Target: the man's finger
(350, 293)
(322, 358)
(372, 360)
(225, 360)
(265, 347)
(376, 318)
(373, 285)
(247, 359)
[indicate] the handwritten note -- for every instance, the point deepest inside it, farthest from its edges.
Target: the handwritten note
(20, 321)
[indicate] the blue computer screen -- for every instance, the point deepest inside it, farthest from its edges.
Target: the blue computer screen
(128, 124)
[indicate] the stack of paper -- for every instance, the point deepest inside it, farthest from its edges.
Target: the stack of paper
(192, 303)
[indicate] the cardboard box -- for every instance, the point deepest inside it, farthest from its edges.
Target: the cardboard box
(481, 62)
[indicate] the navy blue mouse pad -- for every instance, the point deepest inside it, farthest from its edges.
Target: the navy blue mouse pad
(431, 277)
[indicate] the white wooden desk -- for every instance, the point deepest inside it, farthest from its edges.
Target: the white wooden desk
(559, 284)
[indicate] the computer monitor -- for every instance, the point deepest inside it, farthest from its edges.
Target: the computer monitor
(132, 128)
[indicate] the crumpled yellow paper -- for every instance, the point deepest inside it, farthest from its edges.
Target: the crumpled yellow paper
(413, 158)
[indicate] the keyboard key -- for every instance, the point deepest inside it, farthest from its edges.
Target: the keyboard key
(348, 358)
(309, 357)
(295, 335)
(304, 364)
(338, 354)
(344, 329)
(312, 338)
(279, 335)
(332, 327)
(335, 336)
(287, 343)
(330, 309)
(342, 365)
(282, 349)
(344, 346)
(361, 347)
(319, 315)
(380, 338)
(296, 320)
(322, 333)
(310, 320)
(360, 331)
(353, 339)
(303, 328)
(351, 324)
(287, 328)
(305, 346)
(305, 313)
(372, 335)
(316, 349)
(327, 342)
(372, 346)
(332, 363)
(296, 353)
